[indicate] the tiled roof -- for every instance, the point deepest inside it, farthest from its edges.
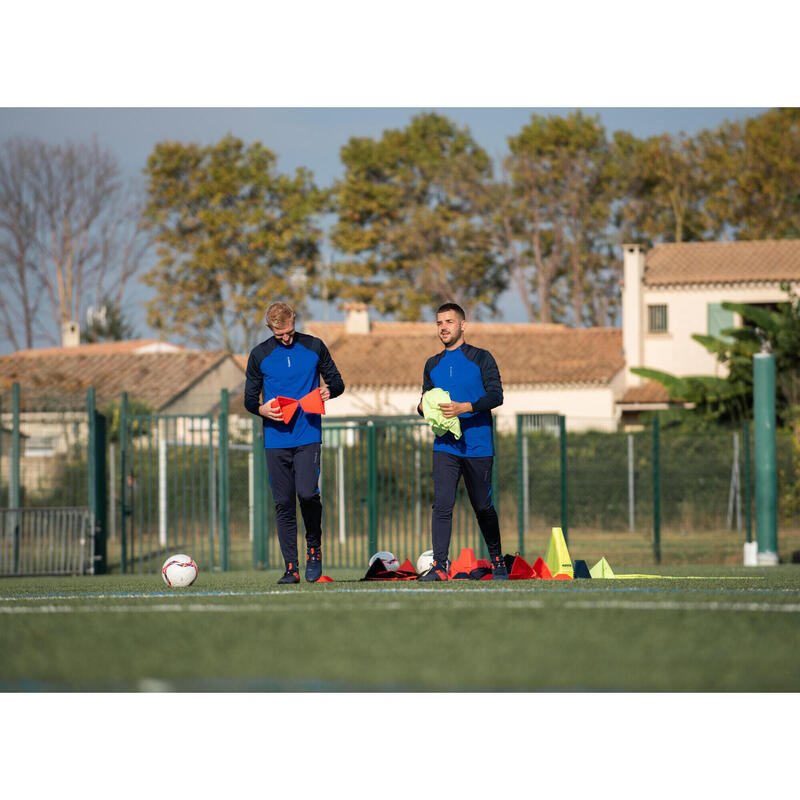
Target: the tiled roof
(649, 392)
(525, 353)
(127, 346)
(154, 378)
(723, 262)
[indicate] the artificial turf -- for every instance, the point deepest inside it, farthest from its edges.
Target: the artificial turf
(733, 630)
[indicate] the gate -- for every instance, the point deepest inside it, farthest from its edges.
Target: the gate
(167, 489)
(47, 541)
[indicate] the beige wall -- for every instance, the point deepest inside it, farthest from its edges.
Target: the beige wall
(687, 313)
(205, 394)
(586, 407)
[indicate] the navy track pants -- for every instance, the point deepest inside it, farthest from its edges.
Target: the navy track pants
(294, 472)
(477, 472)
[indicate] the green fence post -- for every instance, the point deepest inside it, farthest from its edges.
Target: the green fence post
(748, 510)
(98, 497)
(765, 458)
(224, 488)
(1, 447)
(562, 435)
(656, 493)
(125, 509)
(520, 489)
(372, 487)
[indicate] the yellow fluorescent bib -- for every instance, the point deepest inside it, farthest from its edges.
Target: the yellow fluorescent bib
(440, 424)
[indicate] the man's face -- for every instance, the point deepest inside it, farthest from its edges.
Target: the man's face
(284, 333)
(450, 327)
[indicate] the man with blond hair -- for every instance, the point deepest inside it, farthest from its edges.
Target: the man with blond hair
(289, 364)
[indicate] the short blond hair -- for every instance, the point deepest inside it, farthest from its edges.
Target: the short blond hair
(279, 315)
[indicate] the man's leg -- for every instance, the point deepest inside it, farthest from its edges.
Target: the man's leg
(306, 474)
(281, 480)
(446, 472)
(478, 480)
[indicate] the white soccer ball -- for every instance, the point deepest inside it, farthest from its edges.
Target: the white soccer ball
(425, 562)
(389, 560)
(179, 570)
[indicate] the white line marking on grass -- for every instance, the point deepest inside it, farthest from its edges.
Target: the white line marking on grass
(129, 609)
(673, 605)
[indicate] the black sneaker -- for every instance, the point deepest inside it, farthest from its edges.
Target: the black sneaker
(313, 564)
(291, 575)
(437, 572)
(499, 571)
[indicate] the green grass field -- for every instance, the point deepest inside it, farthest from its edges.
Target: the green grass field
(736, 630)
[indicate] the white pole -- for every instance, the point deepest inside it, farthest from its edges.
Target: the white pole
(162, 488)
(251, 490)
(738, 484)
(631, 487)
(340, 485)
(734, 492)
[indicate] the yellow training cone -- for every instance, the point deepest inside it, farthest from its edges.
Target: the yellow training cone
(557, 556)
(602, 569)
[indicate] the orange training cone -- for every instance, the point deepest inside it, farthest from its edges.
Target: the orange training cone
(312, 403)
(287, 407)
(541, 570)
(324, 579)
(521, 570)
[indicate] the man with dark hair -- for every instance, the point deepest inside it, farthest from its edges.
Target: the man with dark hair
(471, 377)
(289, 364)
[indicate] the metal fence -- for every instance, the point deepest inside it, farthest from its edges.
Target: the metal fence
(46, 541)
(197, 482)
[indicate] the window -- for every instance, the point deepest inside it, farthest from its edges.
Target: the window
(656, 319)
(719, 319)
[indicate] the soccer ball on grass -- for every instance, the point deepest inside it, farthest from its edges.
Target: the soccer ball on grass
(424, 562)
(179, 570)
(389, 560)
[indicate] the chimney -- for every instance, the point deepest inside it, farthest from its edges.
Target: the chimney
(70, 334)
(632, 311)
(357, 319)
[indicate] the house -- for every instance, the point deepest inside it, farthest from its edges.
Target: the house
(676, 290)
(54, 384)
(546, 369)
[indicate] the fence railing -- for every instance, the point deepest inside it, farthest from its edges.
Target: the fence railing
(198, 483)
(46, 541)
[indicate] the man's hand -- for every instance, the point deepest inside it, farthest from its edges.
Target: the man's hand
(325, 394)
(454, 409)
(271, 412)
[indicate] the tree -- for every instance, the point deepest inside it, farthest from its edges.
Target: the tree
(67, 227)
(20, 258)
(755, 165)
(662, 183)
(229, 229)
(554, 227)
(107, 324)
(412, 221)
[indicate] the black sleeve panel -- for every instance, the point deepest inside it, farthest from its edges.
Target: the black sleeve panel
(254, 380)
(427, 382)
(327, 367)
(490, 376)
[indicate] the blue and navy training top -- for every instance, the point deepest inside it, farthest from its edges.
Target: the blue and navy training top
(470, 375)
(290, 371)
